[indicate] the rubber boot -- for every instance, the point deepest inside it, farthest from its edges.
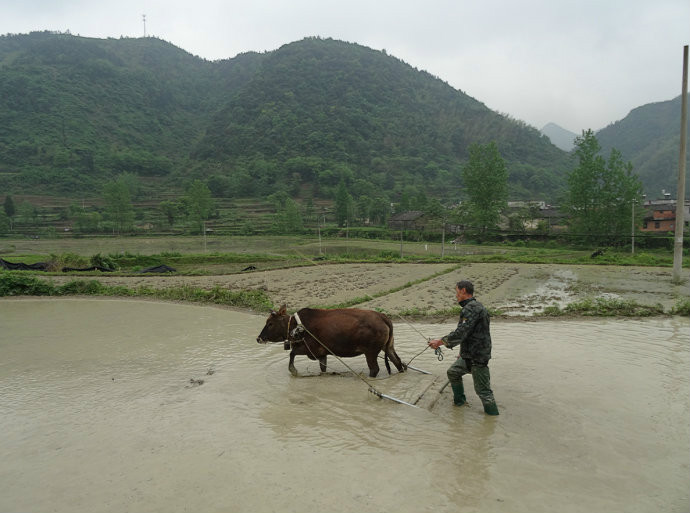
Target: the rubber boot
(458, 394)
(490, 409)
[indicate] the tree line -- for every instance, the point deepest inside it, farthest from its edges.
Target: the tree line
(598, 202)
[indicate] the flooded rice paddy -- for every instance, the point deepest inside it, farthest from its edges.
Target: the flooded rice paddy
(112, 405)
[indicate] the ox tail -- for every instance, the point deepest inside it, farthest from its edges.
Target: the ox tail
(389, 349)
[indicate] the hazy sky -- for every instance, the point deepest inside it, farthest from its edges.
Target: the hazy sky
(581, 64)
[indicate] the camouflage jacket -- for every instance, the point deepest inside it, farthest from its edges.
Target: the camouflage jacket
(472, 332)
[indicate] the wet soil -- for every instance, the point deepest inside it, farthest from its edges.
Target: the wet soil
(515, 289)
(115, 405)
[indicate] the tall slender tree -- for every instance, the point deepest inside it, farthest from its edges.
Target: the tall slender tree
(485, 178)
(9, 208)
(118, 205)
(601, 194)
(343, 205)
(199, 203)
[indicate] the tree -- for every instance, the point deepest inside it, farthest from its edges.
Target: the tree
(199, 203)
(343, 205)
(485, 177)
(4, 222)
(28, 213)
(380, 209)
(118, 205)
(131, 181)
(601, 194)
(169, 209)
(438, 215)
(8, 207)
(288, 218)
(363, 207)
(87, 222)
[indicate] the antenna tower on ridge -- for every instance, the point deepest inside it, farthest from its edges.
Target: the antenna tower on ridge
(143, 17)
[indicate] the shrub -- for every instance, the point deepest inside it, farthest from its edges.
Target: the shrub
(552, 311)
(99, 260)
(608, 307)
(19, 284)
(84, 287)
(682, 307)
(57, 262)
(387, 253)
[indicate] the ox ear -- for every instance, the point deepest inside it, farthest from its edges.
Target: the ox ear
(283, 310)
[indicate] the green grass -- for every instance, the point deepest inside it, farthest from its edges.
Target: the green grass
(22, 284)
(128, 252)
(604, 307)
(682, 307)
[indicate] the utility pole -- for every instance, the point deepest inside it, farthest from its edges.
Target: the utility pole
(143, 17)
(318, 226)
(632, 230)
(443, 237)
(347, 237)
(680, 202)
(402, 230)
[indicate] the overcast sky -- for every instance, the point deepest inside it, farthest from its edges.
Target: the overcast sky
(581, 64)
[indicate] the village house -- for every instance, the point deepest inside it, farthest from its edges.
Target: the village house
(416, 220)
(409, 220)
(661, 215)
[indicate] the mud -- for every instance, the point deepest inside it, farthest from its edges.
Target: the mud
(515, 289)
(111, 405)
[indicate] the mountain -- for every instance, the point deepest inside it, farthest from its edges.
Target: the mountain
(559, 136)
(649, 137)
(75, 112)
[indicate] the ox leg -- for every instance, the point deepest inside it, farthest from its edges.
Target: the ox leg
(322, 363)
(291, 365)
(373, 364)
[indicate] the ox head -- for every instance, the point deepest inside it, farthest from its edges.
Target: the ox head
(276, 327)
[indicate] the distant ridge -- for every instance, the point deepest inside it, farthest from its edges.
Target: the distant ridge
(559, 136)
(649, 137)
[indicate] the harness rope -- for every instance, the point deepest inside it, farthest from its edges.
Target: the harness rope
(372, 389)
(438, 352)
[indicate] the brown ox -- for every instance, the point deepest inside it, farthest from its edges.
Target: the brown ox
(343, 332)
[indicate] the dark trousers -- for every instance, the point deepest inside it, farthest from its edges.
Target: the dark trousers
(480, 377)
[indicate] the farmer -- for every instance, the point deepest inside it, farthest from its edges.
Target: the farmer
(472, 334)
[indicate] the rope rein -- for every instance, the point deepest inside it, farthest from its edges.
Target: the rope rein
(300, 327)
(300, 324)
(438, 352)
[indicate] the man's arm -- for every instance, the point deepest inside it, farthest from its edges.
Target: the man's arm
(468, 320)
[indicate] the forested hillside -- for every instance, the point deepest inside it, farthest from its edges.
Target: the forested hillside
(649, 137)
(75, 112)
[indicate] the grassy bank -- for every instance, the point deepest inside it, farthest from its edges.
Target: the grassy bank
(589, 307)
(21, 284)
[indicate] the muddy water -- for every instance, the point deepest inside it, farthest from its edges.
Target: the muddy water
(110, 405)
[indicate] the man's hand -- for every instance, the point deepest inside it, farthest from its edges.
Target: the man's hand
(435, 343)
